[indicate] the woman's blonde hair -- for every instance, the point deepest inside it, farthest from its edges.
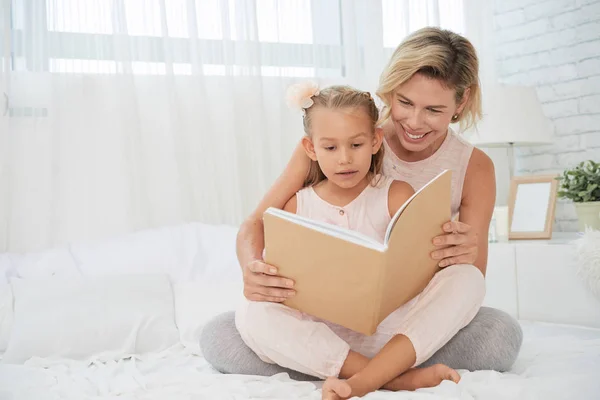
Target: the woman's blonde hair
(337, 97)
(438, 54)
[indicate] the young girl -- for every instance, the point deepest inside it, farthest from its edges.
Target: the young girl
(345, 187)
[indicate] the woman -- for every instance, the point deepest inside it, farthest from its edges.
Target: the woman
(430, 82)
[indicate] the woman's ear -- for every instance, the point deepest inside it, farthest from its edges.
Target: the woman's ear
(309, 148)
(377, 140)
(464, 101)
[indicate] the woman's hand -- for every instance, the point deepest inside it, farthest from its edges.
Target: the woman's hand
(460, 244)
(261, 283)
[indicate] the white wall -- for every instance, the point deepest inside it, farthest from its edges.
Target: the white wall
(554, 45)
(479, 16)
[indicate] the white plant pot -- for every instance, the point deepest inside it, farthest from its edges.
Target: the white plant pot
(588, 215)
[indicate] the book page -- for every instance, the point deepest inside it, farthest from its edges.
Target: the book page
(336, 280)
(330, 229)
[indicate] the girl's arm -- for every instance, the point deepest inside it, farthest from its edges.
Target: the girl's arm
(261, 282)
(290, 206)
(399, 192)
(469, 234)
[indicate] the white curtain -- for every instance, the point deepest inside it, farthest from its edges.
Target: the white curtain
(119, 115)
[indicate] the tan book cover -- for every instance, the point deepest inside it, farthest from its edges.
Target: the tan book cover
(351, 279)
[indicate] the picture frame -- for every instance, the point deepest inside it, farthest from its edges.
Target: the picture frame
(531, 206)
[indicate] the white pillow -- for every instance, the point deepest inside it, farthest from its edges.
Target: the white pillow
(46, 264)
(168, 250)
(6, 315)
(104, 318)
(196, 303)
(7, 268)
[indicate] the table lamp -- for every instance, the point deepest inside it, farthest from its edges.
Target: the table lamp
(512, 117)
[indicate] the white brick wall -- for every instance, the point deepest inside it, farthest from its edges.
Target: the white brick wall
(554, 45)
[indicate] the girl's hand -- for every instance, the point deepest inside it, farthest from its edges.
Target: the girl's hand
(261, 283)
(462, 242)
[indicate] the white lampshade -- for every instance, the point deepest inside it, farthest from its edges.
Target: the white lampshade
(512, 116)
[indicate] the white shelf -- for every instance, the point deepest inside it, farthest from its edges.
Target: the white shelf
(537, 280)
(557, 238)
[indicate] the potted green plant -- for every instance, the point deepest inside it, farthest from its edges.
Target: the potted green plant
(581, 184)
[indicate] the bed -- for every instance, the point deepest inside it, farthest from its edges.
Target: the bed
(556, 361)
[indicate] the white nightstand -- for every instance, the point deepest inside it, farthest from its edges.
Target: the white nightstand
(536, 280)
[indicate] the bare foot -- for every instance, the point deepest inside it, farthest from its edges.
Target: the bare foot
(335, 389)
(417, 378)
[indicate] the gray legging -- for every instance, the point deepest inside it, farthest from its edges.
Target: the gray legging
(490, 342)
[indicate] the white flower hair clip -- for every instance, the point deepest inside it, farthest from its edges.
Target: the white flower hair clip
(299, 96)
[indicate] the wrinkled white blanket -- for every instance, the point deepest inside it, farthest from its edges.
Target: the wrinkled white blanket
(556, 362)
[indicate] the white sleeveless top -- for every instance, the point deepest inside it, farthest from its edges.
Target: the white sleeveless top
(454, 154)
(368, 213)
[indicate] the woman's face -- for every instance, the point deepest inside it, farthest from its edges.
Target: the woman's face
(421, 110)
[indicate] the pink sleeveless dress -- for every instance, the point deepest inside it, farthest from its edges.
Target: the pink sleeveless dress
(368, 213)
(454, 154)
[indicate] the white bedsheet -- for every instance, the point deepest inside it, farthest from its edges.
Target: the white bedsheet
(556, 362)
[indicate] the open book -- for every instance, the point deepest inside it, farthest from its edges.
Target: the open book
(351, 279)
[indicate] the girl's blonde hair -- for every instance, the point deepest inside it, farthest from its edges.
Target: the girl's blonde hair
(438, 54)
(337, 97)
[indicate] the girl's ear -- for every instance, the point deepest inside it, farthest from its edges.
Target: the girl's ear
(309, 148)
(377, 140)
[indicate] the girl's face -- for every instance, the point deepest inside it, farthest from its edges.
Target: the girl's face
(342, 142)
(421, 111)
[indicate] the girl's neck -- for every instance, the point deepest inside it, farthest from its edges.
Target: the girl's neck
(339, 196)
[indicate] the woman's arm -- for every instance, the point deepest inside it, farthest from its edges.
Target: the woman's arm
(470, 234)
(477, 206)
(261, 282)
